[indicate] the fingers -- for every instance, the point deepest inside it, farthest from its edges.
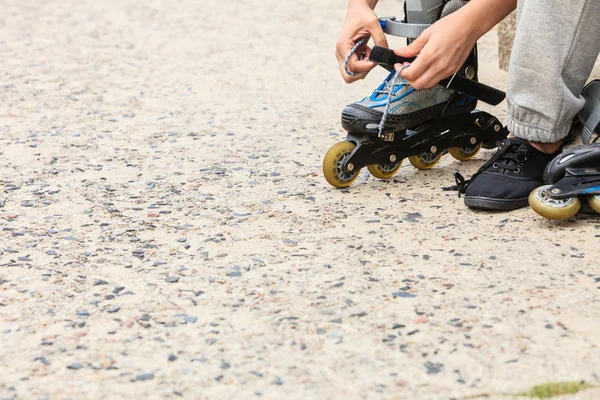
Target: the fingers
(347, 40)
(414, 72)
(422, 75)
(426, 81)
(341, 60)
(360, 67)
(430, 66)
(415, 47)
(351, 78)
(440, 51)
(356, 65)
(377, 34)
(367, 52)
(417, 74)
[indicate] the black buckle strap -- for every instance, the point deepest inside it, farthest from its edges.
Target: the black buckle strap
(487, 94)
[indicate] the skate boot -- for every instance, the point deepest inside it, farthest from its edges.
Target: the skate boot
(396, 121)
(409, 107)
(575, 172)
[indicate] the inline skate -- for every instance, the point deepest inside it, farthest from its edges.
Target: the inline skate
(398, 122)
(575, 172)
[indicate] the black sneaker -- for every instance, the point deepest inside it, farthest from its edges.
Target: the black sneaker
(505, 181)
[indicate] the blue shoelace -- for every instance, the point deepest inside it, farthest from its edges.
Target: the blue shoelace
(388, 89)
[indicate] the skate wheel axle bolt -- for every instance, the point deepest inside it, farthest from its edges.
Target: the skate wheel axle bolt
(350, 166)
(555, 190)
(393, 158)
(473, 140)
(470, 72)
(433, 149)
(497, 128)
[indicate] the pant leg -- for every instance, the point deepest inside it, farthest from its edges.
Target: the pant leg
(556, 45)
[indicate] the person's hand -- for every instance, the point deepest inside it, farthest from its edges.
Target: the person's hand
(361, 22)
(441, 50)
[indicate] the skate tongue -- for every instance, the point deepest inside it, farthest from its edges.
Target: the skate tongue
(384, 89)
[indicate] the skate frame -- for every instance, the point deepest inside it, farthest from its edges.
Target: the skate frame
(433, 137)
(577, 181)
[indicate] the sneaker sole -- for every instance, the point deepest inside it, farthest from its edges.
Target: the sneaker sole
(486, 203)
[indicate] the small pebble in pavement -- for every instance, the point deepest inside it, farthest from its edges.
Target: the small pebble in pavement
(144, 377)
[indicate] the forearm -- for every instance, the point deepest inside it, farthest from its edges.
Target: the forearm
(483, 15)
(370, 3)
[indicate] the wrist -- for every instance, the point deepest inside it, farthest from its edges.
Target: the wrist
(481, 16)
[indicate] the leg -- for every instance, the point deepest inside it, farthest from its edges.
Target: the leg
(556, 45)
(408, 107)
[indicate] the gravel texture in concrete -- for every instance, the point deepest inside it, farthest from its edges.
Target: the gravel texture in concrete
(166, 231)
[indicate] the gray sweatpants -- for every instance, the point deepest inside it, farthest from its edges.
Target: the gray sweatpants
(556, 45)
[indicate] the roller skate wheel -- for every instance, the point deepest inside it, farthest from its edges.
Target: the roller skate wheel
(425, 160)
(594, 202)
(552, 208)
(465, 153)
(333, 171)
(384, 171)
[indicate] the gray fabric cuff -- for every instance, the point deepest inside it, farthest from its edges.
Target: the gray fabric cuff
(525, 128)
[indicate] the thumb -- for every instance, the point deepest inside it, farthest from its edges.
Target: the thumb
(378, 36)
(414, 48)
